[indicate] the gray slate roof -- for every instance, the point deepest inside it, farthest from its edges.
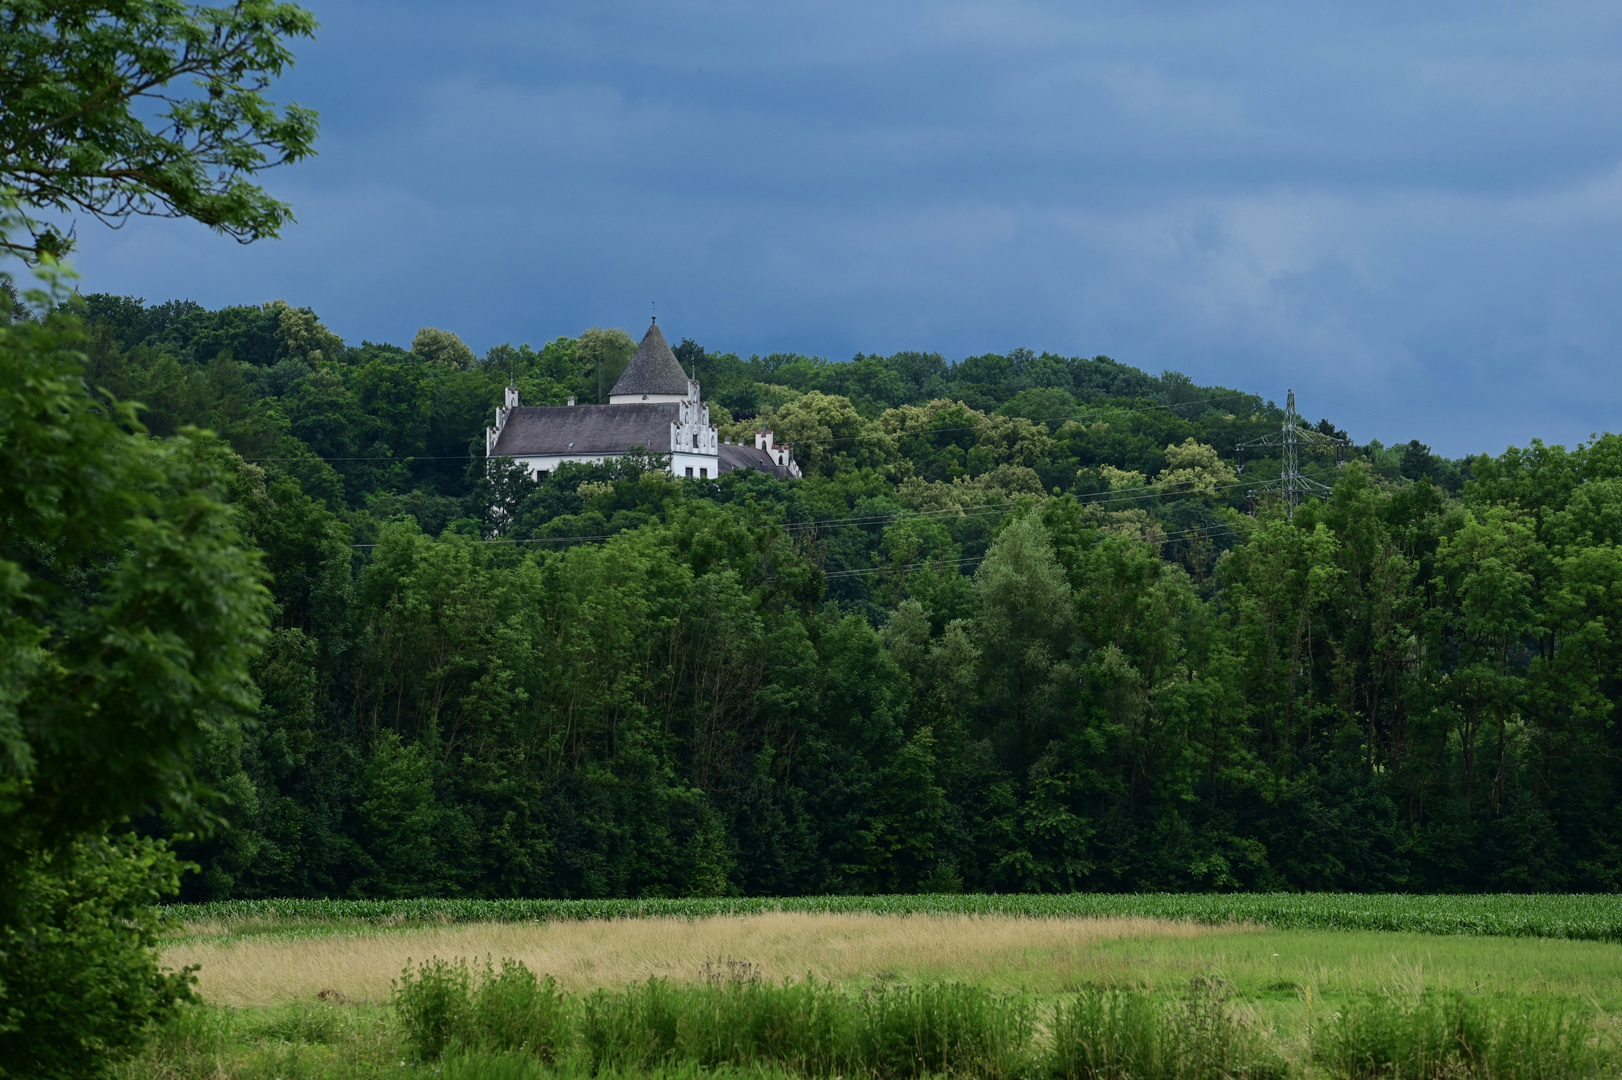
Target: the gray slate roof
(534, 430)
(653, 370)
(734, 456)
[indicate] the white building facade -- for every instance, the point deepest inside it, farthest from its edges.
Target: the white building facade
(655, 407)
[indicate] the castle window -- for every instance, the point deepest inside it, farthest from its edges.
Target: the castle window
(689, 472)
(703, 474)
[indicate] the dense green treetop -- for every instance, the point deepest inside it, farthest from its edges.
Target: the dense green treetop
(152, 107)
(131, 608)
(131, 603)
(1016, 629)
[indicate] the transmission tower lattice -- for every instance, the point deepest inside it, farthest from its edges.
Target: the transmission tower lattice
(1291, 485)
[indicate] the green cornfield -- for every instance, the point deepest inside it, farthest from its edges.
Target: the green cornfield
(1579, 917)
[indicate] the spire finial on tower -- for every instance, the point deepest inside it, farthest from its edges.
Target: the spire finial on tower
(655, 304)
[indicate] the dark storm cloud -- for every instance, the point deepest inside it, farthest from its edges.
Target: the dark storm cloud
(1410, 213)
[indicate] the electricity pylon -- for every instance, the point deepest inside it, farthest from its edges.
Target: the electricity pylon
(1291, 485)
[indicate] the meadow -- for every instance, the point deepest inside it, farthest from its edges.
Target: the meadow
(900, 986)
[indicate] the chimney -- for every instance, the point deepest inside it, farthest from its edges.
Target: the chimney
(571, 399)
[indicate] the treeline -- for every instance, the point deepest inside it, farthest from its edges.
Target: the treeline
(1015, 630)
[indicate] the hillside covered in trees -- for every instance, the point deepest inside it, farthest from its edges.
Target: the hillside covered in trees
(1016, 629)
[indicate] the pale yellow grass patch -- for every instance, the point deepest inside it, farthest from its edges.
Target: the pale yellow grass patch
(584, 955)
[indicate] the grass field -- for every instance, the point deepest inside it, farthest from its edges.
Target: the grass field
(1036, 955)
(998, 951)
(293, 993)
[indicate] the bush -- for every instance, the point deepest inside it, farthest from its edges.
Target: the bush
(190, 1035)
(79, 980)
(1451, 1035)
(129, 614)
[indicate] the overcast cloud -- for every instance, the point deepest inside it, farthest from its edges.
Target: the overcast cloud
(1409, 213)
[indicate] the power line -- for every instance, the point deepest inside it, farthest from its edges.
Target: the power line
(1094, 498)
(1149, 491)
(1097, 498)
(1186, 534)
(520, 540)
(1093, 411)
(833, 574)
(374, 457)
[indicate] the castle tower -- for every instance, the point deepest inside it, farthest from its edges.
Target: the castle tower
(654, 374)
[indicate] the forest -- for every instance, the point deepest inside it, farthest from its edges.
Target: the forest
(1021, 627)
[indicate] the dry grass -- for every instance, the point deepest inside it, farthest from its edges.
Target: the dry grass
(1038, 953)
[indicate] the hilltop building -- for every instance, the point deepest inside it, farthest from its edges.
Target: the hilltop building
(655, 406)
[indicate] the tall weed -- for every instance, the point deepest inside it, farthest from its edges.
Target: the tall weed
(301, 1023)
(808, 1028)
(1131, 1035)
(632, 1029)
(515, 1010)
(735, 1020)
(1108, 1035)
(1448, 1036)
(501, 1009)
(435, 1005)
(460, 1064)
(951, 1029)
(192, 1033)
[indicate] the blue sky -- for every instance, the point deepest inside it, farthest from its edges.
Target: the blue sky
(1412, 214)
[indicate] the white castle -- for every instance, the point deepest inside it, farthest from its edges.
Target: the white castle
(655, 407)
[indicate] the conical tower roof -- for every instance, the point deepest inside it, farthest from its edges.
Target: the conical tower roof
(653, 370)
